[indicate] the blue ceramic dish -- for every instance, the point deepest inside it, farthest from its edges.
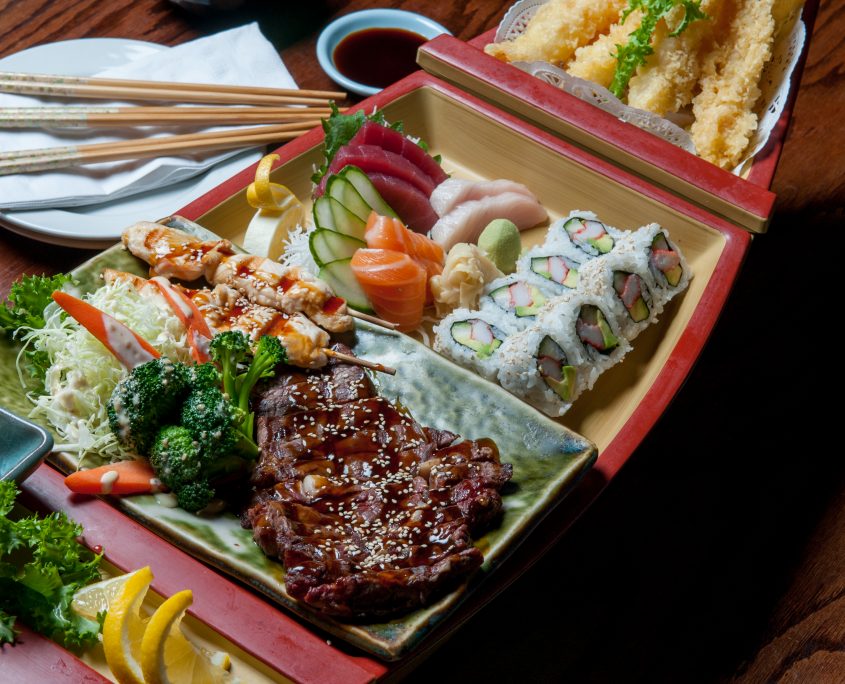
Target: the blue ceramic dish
(336, 31)
(23, 445)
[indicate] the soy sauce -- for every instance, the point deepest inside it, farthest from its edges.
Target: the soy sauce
(378, 56)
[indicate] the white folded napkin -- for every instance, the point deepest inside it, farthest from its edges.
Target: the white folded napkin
(240, 56)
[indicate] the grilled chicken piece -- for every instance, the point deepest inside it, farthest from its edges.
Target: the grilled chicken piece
(172, 253)
(224, 308)
(290, 290)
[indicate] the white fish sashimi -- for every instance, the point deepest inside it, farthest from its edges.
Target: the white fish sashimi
(467, 220)
(455, 191)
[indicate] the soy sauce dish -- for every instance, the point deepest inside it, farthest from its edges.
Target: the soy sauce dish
(368, 50)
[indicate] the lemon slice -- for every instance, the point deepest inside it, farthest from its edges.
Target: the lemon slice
(279, 211)
(167, 657)
(93, 599)
(124, 628)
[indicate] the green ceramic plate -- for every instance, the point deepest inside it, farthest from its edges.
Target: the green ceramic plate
(547, 459)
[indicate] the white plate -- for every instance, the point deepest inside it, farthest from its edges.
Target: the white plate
(99, 225)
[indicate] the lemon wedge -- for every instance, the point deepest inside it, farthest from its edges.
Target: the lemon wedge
(279, 211)
(124, 628)
(168, 657)
(95, 598)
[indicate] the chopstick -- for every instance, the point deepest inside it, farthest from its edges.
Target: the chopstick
(81, 117)
(71, 82)
(26, 161)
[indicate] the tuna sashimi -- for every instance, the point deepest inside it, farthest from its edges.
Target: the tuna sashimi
(394, 283)
(465, 222)
(372, 133)
(373, 159)
(455, 191)
(408, 202)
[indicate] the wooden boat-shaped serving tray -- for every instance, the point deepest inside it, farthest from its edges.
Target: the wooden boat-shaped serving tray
(476, 140)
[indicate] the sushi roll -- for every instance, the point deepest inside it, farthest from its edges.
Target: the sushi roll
(557, 264)
(473, 338)
(585, 321)
(519, 296)
(667, 265)
(546, 371)
(583, 231)
(624, 281)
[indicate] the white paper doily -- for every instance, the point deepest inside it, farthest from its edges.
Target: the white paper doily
(774, 85)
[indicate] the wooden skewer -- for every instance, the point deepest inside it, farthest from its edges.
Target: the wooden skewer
(82, 117)
(26, 161)
(204, 87)
(372, 365)
(372, 319)
(59, 86)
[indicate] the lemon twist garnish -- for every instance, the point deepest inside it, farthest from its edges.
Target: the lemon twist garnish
(264, 195)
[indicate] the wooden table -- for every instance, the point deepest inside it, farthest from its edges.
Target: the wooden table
(717, 553)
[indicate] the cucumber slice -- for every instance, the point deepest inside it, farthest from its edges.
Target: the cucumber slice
(327, 246)
(367, 190)
(323, 216)
(338, 275)
(345, 221)
(344, 192)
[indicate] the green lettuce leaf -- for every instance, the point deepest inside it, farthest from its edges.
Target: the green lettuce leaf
(38, 580)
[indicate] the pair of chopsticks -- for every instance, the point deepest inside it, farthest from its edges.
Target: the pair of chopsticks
(289, 113)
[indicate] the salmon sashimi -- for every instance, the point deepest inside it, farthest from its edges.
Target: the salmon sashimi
(385, 232)
(372, 133)
(394, 283)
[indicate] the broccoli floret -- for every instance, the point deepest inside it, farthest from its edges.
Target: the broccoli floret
(194, 496)
(188, 470)
(215, 424)
(176, 456)
(144, 399)
(203, 375)
(229, 349)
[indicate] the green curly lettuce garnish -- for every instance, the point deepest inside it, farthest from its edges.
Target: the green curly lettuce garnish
(24, 309)
(42, 565)
(638, 48)
(341, 128)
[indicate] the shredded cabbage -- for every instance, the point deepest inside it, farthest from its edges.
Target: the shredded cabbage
(83, 373)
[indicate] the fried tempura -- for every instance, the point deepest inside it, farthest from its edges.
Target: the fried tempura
(597, 62)
(665, 83)
(723, 110)
(558, 29)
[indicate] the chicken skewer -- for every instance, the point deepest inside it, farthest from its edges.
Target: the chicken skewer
(174, 254)
(224, 308)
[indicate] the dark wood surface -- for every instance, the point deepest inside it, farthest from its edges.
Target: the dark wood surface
(717, 553)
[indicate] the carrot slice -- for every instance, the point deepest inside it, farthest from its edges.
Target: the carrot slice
(199, 334)
(124, 477)
(127, 346)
